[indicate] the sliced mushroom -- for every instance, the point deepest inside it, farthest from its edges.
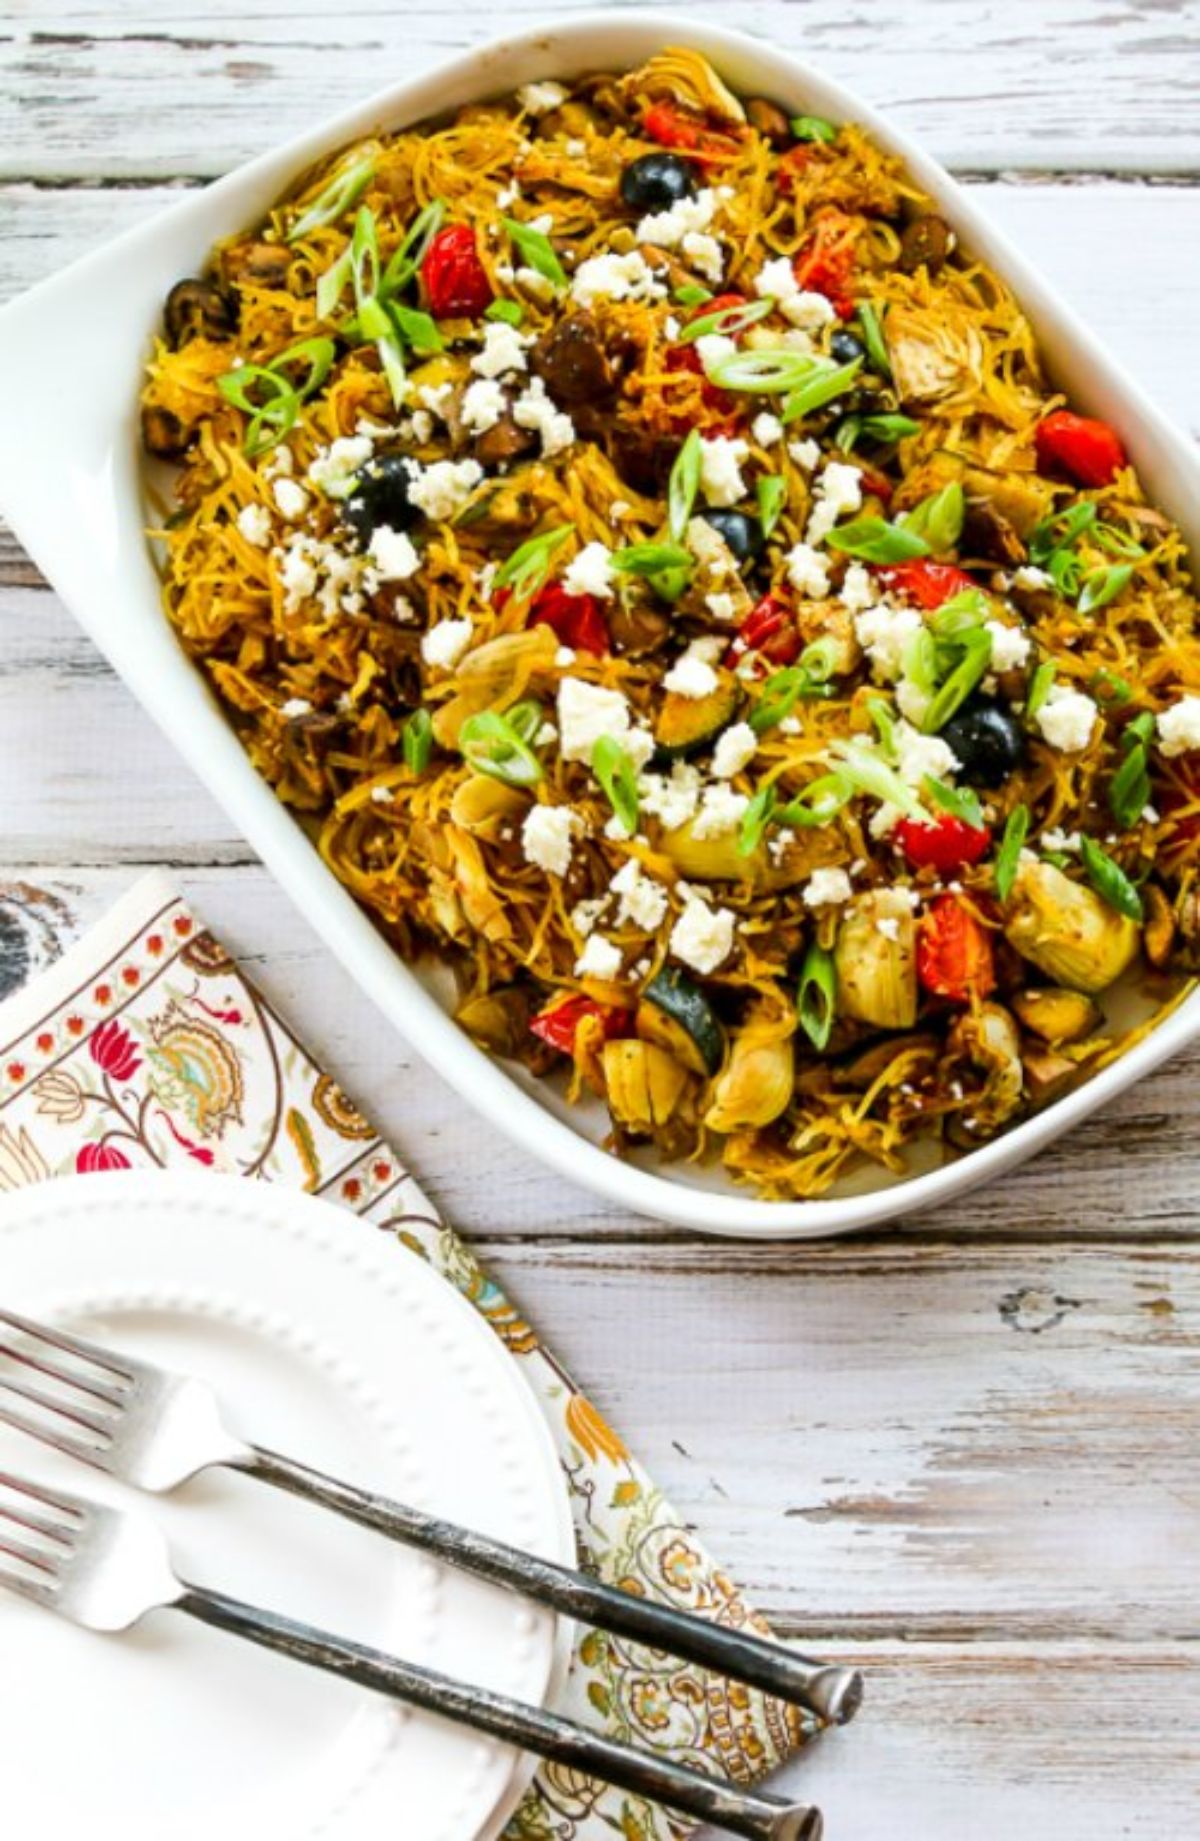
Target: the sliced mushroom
(573, 362)
(988, 533)
(987, 1039)
(504, 442)
(263, 265)
(163, 434)
(1158, 936)
(926, 243)
(198, 309)
(770, 120)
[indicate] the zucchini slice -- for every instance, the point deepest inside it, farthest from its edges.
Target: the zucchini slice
(676, 1015)
(687, 724)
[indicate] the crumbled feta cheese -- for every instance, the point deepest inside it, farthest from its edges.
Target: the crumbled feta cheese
(671, 798)
(585, 914)
(857, 591)
(1066, 719)
(1179, 727)
(1060, 841)
(591, 572)
(294, 708)
(826, 888)
(690, 676)
(546, 837)
(766, 429)
(839, 489)
(585, 713)
(805, 453)
(393, 554)
(503, 350)
(883, 632)
(540, 98)
(721, 606)
(534, 409)
(721, 811)
(599, 959)
(297, 575)
(777, 280)
(483, 404)
(382, 795)
(709, 548)
(667, 229)
(441, 489)
(1010, 645)
(334, 468)
(254, 523)
(444, 644)
(735, 749)
(614, 277)
(705, 254)
(290, 497)
(643, 901)
(714, 347)
(1029, 577)
(507, 196)
(435, 398)
(808, 571)
(420, 427)
(620, 508)
(702, 936)
(918, 755)
(721, 481)
(639, 746)
(564, 657)
(532, 281)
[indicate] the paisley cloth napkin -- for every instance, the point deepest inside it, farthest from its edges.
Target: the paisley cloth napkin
(146, 1047)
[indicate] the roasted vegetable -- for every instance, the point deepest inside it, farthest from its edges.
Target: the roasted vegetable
(987, 1040)
(686, 724)
(675, 1014)
(498, 1020)
(643, 1082)
(1066, 930)
(756, 1083)
(484, 806)
(1057, 1015)
(875, 956)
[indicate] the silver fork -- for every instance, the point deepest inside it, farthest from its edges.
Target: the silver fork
(106, 1569)
(155, 1429)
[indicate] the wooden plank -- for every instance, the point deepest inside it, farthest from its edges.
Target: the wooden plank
(174, 90)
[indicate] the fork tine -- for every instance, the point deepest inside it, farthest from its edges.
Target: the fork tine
(98, 1390)
(61, 1409)
(26, 1587)
(49, 1435)
(28, 1556)
(59, 1531)
(83, 1350)
(77, 1508)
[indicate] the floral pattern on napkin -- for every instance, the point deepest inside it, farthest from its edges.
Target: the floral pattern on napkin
(145, 1047)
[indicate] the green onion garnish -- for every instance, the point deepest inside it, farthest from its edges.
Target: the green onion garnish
(1100, 586)
(269, 398)
(771, 493)
(819, 801)
(973, 664)
(1109, 880)
(332, 284)
(877, 541)
(667, 567)
(1039, 687)
(727, 320)
(1060, 531)
(873, 339)
(536, 249)
(615, 772)
(959, 801)
(526, 568)
(817, 996)
(1110, 687)
(1016, 830)
(755, 820)
(407, 259)
(684, 485)
(510, 311)
(526, 718)
(767, 373)
(919, 659)
(416, 741)
(819, 659)
(962, 613)
(939, 518)
(820, 389)
(883, 716)
(1117, 543)
(813, 128)
(887, 428)
(344, 189)
(867, 772)
(692, 295)
(784, 689)
(416, 329)
(492, 746)
(1129, 791)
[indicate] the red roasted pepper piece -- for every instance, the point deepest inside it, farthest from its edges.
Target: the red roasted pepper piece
(559, 1021)
(1086, 449)
(769, 630)
(687, 358)
(954, 953)
(926, 583)
(456, 282)
(576, 619)
(944, 843)
(826, 262)
(672, 127)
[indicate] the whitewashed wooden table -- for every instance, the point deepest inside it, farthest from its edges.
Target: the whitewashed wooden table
(966, 1453)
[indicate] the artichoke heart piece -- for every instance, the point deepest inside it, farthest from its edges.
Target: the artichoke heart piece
(1057, 1015)
(643, 1083)
(875, 957)
(1067, 930)
(756, 1083)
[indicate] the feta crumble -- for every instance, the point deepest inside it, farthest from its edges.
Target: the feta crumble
(613, 277)
(1179, 727)
(534, 409)
(441, 489)
(671, 798)
(667, 229)
(294, 708)
(333, 470)
(839, 490)
(1010, 645)
(591, 572)
(585, 713)
(808, 571)
(690, 676)
(735, 749)
(393, 554)
(1066, 719)
(254, 524)
(883, 632)
(766, 429)
(540, 98)
(777, 280)
(721, 481)
(721, 811)
(643, 901)
(547, 835)
(599, 959)
(503, 350)
(702, 936)
(827, 888)
(483, 404)
(290, 497)
(444, 644)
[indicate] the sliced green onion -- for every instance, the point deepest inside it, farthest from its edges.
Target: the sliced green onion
(813, 128)
(1016, 830)
(867, 772)
(1109, 880)
(780, 695)
(1039, 687)
(692, 295)
(492, 746)
(1117, 543)
(847, 433)
(728, 320)
(819, 659)
(416, 329)
(526, 718)
(767, 373)
(1100, 586)
(667, 567)
(416, 741)
(771, 493)
(274, 413)
(820, 801)
(364, 259)
(877, 541)
(1141, 729)
(816, 998)
(684, 485)
(919, 659)
(1129, 790)
(939, 518)
(1110, 687)
(820, 389)
(332, 285)
(526, 568)
(616, 774)
(959, 801)
(976, 657)
(510, 311)
(883, 716)
(391, 357)
(873, 339)
(344, 189)
(407, 259)
(889, 427)
(536, 249)
(755, 820)
(962, 613)
(1060, 530)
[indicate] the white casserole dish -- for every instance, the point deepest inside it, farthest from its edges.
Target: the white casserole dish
(71, 354)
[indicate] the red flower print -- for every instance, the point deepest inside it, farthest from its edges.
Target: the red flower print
(154, 944)
(93, 1157)
(45, 1042)
(352, 1189)
(200, 1152)
(16, 1071)
(112, 1048)
(381, 1172)
(103, 993)
(75, 1025)
(131, 976)
(183, 926)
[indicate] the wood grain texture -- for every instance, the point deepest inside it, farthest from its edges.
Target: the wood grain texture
(88, 90)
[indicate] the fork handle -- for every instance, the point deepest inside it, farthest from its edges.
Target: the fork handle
(741, 1812)
(832, 1693)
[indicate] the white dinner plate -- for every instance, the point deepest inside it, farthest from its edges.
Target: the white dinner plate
(328, 1342)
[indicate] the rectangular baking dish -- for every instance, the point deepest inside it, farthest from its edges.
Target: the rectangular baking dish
(71, 483)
